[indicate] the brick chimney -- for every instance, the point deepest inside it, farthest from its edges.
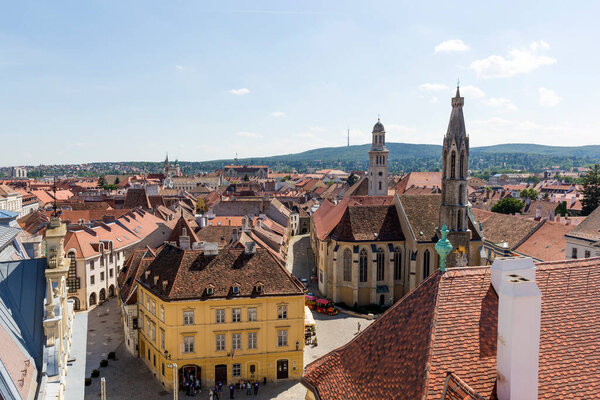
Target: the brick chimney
(519, 319)
(184, 240)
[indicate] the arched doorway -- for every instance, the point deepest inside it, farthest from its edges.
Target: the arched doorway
(92, 301)
(382, 300)
(111, 291)
(252, 371)
(76, 304)
(102, 295)
(189, 372)
(221, 374)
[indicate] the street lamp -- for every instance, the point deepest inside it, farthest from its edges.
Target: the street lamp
(175, 386)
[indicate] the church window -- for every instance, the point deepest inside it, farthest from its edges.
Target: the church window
(459, 226)
(380, 173)
(379, 185)
(453, 165)
(363, 268)
(380, 264)
(462, 165)
(397, 264)
(461, 189)
(426, 259)
(347, 265)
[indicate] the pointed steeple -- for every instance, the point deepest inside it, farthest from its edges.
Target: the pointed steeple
(456, 126)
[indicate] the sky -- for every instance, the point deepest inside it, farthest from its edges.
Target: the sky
(107, 80)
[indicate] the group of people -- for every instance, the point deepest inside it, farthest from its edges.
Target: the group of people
(247, 387)
(191, 384)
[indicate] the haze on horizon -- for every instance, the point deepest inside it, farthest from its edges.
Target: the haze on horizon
(104, 81)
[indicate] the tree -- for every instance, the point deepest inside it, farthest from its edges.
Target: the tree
(117, 180)
(561, 209)
(351, 179)
(508, 205)
(102, 181)
(591, 190)
(530, 193)
(246, 178)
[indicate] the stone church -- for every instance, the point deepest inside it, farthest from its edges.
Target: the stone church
(374, 249)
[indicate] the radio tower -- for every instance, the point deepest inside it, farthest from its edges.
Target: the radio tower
(348, 136)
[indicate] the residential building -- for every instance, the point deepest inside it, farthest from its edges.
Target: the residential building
(226, 315)
(584, 240)
(10, 200)
(515, 330)
(243, 171)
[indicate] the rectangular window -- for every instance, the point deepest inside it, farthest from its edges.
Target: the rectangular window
(147, 328)
(163, 368)
(188, 344)
(282, 311)
(134, 322)
(110, 258)
(141, 297)
(236, 315)
(101, 261)
(102, 276)
(153, 332)
(92, 279)
(236, 369)
(162, 339)
(188, 318)
(252, 340)
(147, 303)
(252, 314)
(153, 307)
(220, 342)
(110, 273)
(282, 338)
(162, 313)
(91, 265)
(574, 252)
(220, 316)
(587, 254)
(236, 341)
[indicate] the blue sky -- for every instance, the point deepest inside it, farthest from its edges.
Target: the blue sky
(84, 81)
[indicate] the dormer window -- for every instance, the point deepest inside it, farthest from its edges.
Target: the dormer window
(235, 289)
(209, 291)
(258, 288)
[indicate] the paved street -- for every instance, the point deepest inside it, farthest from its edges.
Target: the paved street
(127, 377)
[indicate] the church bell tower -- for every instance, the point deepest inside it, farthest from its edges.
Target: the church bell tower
(378, 162)
(455, 166)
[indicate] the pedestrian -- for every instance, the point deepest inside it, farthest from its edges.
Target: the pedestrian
(220, 385)
(187, 388)
(210, 395)
(231, 391)
(198, 385)
(249, 389)
(215, 393)
(358, 326)
(256, 388)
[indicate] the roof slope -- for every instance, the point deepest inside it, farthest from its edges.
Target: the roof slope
(547, 243)
(499, 228)
(189, 272)
(589, 228)
(400, 356)
(423, 214)
(368, 223)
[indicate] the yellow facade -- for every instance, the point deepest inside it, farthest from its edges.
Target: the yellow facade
(170, 327)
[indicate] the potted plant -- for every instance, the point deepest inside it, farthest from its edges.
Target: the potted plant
(104, 363)
(95, 373)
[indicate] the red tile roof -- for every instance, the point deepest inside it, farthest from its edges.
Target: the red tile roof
(449, 324)
(547, 243)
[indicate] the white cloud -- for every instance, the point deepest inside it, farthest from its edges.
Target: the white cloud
(518, 61)
(278, 114)
(471, 91)
(548, 97)
(248, 134)
(239, 92)
(434, 100)
(499, 102)
(179, 66)
(432, 87)
(451, 45)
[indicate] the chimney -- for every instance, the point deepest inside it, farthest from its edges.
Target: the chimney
(519, 319)
(234, 235)
(250, 247)
(108, 218)
(538, 212)
(184, 240)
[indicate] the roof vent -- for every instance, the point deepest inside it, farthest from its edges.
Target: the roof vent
(155, 279)
(164, 284)
(147, 274)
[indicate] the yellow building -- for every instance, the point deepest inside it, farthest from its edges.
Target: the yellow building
(229, 315)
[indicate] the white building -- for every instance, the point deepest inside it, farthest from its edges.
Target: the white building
(584, 240)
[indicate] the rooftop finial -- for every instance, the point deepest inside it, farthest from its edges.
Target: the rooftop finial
(443, 248)
(378, 119)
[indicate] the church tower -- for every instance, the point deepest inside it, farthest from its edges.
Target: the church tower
(455, 167)
(378, 162)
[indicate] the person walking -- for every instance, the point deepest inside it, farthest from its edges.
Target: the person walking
(210, 395)
(231, 388)
(358, 326)
(248, 389)
(256, 388)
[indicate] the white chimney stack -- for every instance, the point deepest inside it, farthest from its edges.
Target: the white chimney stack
(519, 320)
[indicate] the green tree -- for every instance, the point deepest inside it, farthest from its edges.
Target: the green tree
(246, 178)
(351, 179)
(530, 193)
(561, 209)
(508, 205)
(591, 190)
(102, 181)
(117, 180)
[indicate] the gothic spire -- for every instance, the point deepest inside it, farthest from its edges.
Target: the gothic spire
(456, 126)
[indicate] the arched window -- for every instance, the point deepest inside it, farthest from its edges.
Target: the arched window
(76, 305)
(379, 185)
(426, 259)
(453, 165)
(397, 264)
(347, 265)
(380, 264)
(462, 165)
(92, 299)
(459, 225)
(362, 266)
(102, 296)
(461, 196)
